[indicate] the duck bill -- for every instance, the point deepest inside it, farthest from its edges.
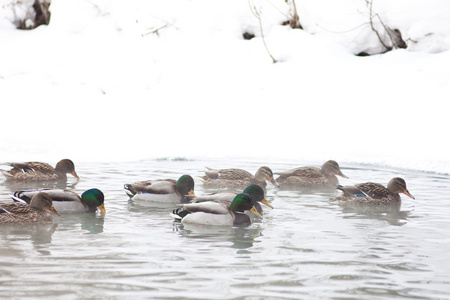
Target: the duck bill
(191, 193)
(255, 212)
(272, 180)
(53, 210)
(342, 174)
(266, 203)
(102, 208)
(406, 192)
(74, 174)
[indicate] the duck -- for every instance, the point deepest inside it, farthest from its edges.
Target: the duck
(374, 193)
(66, 201)
(237, 178)
(254, 191)
(40, 171)
(312, 176)
(162, 190)
(38, 211)
(218, 213)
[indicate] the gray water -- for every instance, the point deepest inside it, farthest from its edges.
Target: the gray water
(306, 247)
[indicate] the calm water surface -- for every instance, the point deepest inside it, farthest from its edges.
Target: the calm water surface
(307, 247)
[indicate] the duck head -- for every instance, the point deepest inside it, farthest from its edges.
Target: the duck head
(94, 198)
(43, 201)
(185, 185)
(243, 202)
(257, 194)
(331, 168)
(397, 185)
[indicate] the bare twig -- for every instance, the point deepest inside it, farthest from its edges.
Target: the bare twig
(155, 30)
(294, 21)
(373, 27)
(257, 14)
(394, 35)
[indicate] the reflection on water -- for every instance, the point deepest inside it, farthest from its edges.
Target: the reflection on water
(39, 234)
(13, 185)
(390, 213)
(239, 237)
(91, 223)
(306, 247)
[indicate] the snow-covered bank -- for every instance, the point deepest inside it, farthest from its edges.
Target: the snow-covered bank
(97, 84)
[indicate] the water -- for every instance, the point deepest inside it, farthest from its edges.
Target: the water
(307, 247)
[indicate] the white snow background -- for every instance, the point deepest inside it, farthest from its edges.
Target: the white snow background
(113, 80)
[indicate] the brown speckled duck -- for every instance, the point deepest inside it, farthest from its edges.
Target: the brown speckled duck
(237, 178)
(374, 193)
(39, 171)
(312, 176)
(35, 212)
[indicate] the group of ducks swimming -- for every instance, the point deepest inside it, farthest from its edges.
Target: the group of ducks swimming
(221, 208)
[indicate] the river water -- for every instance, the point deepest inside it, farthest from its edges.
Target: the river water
(306, 247)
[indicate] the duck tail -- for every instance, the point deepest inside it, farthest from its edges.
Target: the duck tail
(129, 190)
(20, 197)
(179, 213)
(211, 173)
(7, 174)
(202, 179)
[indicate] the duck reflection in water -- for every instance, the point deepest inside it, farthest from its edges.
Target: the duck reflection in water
(90, 223)
(40, 235)
(13, 186)
(390, 213)
(240, 237)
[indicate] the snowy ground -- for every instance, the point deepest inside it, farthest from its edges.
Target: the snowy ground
(98, 84)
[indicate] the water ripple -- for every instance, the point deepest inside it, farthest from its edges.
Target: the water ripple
(306, 247)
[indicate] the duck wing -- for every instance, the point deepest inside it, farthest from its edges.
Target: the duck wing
(365, 190)
(16, 213)
(228, 197)
(160, 186)
(209, 207)
(40, 167)
(374, 190)
(235, 174)
(15, 208)
(351, 191)
(63, 200)
(22, 213)
(57, 195)
(31, 171)
(228, 174)
(307, 176)
(310, 172)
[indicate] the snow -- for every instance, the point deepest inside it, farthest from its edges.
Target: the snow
(111, 80)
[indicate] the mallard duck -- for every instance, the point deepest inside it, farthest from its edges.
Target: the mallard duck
(237, 178)
(67, 201)
(254, 191)
(220, 213)
(39, 171)
(374, 193)
(162, 190)
(36, 211)
(312, 176)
